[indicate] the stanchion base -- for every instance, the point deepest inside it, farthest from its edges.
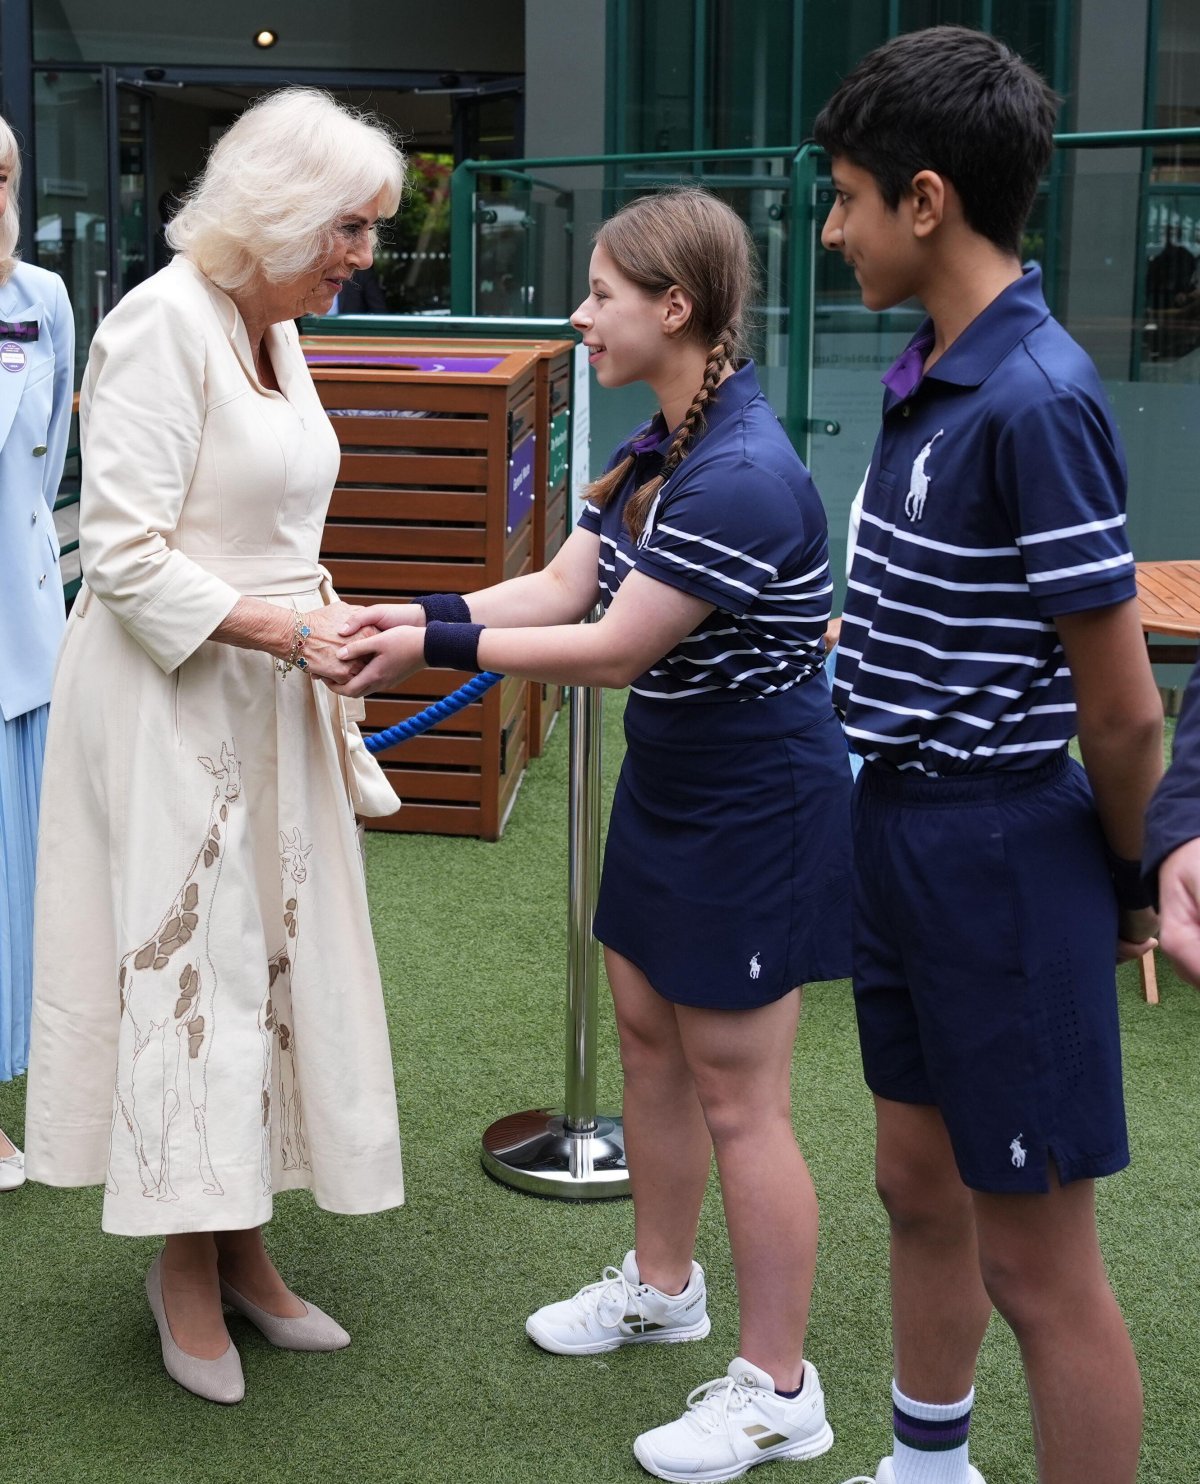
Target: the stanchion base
(537, 1153)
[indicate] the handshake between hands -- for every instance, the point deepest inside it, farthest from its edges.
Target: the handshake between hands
(367, 649)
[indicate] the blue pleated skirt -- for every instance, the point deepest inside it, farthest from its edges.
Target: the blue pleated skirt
(20, 789)
(726, 875)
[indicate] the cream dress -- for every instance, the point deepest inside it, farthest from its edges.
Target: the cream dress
(208, 1023)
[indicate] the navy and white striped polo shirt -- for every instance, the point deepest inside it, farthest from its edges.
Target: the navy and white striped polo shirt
(739, 524)
(995, 501)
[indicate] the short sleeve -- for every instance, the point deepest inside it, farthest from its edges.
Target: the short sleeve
(1061, 474)
(589, 518)
(723, 533)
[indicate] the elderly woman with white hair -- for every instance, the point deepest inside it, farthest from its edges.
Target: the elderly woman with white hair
(37, 355)
(208, 1024)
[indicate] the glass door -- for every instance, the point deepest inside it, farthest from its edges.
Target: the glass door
(92, 224)
(70, 231)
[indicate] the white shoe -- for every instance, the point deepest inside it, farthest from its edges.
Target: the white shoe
(735, 1422)
(12, 1167)
(621, 1310)
(886, 1474)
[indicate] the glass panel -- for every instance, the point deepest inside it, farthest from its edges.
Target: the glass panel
(915, 15)
(1031, 27)
(750, 62)
(834, 39)
(134, 230)
(412, 261)
(1177, 67)
(71, 200)
(660, 76)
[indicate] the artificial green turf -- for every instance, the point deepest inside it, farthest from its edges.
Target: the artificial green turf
(440, 1383)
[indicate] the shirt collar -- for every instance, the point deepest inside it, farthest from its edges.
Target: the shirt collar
(732, 395)
(980, 348)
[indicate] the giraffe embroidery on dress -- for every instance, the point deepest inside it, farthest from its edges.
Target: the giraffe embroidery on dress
(918, 484)
(167, 987)
(282, 1107)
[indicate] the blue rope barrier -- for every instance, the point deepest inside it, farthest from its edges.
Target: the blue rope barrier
(439, 711)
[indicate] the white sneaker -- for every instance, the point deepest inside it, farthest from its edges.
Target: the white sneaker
(735, 1422)
(621, 1310)
(886, 1474)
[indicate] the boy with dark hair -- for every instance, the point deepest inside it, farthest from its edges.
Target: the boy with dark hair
(990, 616)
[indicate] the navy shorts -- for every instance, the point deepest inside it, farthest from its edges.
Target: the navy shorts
(985, 930)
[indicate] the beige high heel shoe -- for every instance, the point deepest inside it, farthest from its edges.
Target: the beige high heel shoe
(12, 1164)
(218, 1380)
(312, 1331)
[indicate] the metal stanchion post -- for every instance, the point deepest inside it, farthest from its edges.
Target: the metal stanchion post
(577, 1154)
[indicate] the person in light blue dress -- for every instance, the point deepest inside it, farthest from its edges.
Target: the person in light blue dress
(37, 352)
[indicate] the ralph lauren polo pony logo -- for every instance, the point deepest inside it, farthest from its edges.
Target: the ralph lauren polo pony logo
(918, 484)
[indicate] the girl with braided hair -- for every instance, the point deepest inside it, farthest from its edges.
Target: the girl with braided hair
(725, 883)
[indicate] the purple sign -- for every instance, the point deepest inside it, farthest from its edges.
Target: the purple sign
(475, 365)
(520, 482)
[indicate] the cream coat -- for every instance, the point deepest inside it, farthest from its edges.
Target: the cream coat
(208, 1020)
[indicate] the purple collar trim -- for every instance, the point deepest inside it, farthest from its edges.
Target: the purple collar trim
(652, 439)
(904, 375)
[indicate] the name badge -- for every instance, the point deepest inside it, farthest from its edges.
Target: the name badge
(12, 357)
(18, 329)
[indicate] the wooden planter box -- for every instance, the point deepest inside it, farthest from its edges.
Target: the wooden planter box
(552, 413)
(435, 494)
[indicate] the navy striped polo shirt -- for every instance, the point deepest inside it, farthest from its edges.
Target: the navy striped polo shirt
(740, 525)
(995, 501)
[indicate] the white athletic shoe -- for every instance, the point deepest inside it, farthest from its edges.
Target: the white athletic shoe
(621, 1310)
(886, 1474)
(735, 1422)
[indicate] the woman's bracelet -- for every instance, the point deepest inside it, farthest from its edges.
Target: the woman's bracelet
(444, 608)
(452, 646)
(295, 659)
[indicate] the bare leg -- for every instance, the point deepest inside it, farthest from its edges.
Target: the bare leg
(1041, 1261)
(191, 1295)
(244, 1264)
(741, 1061)
(666, 1139)
(940, 1308)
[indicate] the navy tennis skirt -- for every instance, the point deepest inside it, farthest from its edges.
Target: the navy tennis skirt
(727, 870)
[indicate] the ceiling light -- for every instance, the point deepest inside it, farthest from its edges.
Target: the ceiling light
(265, 38)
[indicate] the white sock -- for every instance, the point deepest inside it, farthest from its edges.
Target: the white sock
(930, 1439)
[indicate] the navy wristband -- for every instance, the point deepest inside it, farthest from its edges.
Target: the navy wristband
(1133, 892)
(444, 608)
(452, 646)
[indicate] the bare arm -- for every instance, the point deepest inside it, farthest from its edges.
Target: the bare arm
(1120, 730)
(647, 619)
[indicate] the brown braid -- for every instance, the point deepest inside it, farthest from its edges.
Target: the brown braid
(601, 490)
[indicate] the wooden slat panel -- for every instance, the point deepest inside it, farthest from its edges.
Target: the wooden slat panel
(364, 389)
(436, 749)
(412, 432)
(409, 505)
(413, 469)
(429, 819)
(433, 785)
(1169, 597)
(518, 559)
(404, 540)
(383, 580)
